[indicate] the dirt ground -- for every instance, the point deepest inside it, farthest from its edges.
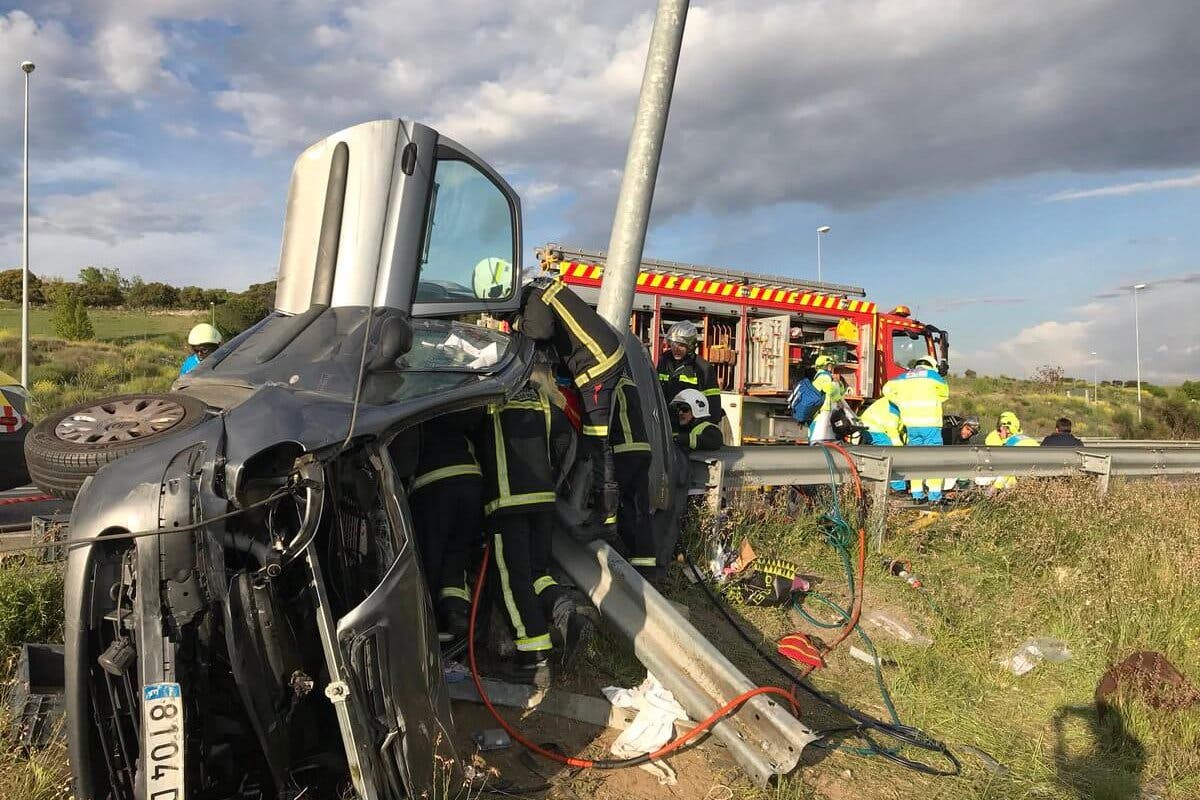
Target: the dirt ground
(702, 771)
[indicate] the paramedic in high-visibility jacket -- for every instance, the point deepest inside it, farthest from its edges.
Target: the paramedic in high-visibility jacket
(591, 350)
(825, 382)
(920, 393)
(883, 422)
(681, 367)
(1007, 434)
(518, 506)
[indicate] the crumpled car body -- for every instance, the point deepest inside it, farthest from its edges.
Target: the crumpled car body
(249, 619)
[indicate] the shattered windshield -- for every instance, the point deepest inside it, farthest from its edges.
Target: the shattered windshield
(321, 352)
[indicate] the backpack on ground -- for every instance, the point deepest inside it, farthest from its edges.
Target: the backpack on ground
(805, 401)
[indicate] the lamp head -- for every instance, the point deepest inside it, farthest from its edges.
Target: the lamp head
(27, 67)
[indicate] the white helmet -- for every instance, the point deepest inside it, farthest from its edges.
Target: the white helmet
(694, 400)
(493, 279)
(204, 334)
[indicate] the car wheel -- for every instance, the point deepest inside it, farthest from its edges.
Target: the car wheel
(66, 448)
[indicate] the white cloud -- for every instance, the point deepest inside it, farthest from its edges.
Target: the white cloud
(132, 55)
(1122, 189)
(181, 130)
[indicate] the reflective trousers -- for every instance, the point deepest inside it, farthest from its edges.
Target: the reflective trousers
(925, 437)
(520, 573)
(633, 519)
(448, 517)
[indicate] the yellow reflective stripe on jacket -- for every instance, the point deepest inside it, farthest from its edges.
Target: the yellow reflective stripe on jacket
(601, 368)
(694, 434)
(628, 443)
(510, 602)
(712, 392)
(514, 500)
(603, 363)
(662, 376)
(543, 583)
(643, 561)
(446, 472)
(692, 379)
(595, 430)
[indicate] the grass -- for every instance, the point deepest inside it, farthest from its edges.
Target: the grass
(31, 610)
(1109, 576)
(1038, 406)
(66, 373)
(110, 325)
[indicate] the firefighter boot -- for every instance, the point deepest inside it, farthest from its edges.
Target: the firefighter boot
(454, 618)
(531, 668)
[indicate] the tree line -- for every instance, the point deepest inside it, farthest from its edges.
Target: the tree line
(105, 287)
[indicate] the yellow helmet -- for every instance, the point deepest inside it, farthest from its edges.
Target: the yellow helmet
(824, 361)
(1010, 419)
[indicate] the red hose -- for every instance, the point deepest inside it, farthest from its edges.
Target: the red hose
(587, 763)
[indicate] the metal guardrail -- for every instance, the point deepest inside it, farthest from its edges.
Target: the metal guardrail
(763, 738)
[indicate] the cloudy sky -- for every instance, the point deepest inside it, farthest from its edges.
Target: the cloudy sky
(1003, 167)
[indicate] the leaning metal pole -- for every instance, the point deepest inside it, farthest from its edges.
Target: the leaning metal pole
(641, 164)
(26, 67)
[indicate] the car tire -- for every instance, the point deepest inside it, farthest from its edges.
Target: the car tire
(68, 447)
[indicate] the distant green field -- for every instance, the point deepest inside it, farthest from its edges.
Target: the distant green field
(109, 325)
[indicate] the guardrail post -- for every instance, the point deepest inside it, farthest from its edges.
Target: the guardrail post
(715, 492)
(1099, 465)
(877, 470)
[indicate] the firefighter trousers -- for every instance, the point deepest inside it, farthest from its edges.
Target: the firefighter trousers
(633, 519)
(520, 572)
(597, 401)
(448, 516)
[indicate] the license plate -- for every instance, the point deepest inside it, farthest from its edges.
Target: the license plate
(162, 741)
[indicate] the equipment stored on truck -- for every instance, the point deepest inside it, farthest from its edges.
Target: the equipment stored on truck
(761, 332)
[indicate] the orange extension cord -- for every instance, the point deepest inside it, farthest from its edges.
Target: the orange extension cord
(587, 763)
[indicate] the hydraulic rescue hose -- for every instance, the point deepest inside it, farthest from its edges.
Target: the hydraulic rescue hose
(904, 734)
(587, 763)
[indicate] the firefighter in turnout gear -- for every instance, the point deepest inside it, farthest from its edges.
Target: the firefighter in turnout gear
(591, 350)
(681, 367)
(920, 393)
(518, 508)
(631, 451)
(693, 429)
(447, 508)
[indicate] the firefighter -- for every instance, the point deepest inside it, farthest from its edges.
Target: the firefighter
(518, 506)
(1007, 434)
(447, 509)
(592, 352)
(681, 367)
(694, 430)
(920, 393)
(203, 339)
(828, 384)
(959, 430)
(631, 452)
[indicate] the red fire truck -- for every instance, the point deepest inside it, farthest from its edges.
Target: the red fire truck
(761, 331)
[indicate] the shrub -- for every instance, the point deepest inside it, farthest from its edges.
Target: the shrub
(71, 321)
(240, 312)
(31, 604)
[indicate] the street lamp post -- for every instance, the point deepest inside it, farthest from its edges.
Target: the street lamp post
(26, 67)
(1137, 346)
(821, 231)
(1095, 378)
(212, 308)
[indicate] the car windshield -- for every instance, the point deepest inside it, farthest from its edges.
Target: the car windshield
(322, 352)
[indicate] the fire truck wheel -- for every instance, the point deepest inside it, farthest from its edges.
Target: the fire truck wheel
(66, 448)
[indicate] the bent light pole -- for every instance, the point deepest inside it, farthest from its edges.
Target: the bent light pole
(26, 67)
(641, 164)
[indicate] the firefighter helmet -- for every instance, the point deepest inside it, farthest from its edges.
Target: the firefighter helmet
(926, 361)
(203, 334)
(684, 333)
(493, 278)
(694, 401)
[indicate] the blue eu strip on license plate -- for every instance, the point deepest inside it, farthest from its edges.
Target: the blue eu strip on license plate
(163, 741)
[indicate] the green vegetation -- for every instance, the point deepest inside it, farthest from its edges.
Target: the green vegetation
(1166, 413)
(1109, 576)
(71, 320)
(109, 325)
(65, 373)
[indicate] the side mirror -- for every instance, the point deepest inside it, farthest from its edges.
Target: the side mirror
(395, 339)
(943, 367)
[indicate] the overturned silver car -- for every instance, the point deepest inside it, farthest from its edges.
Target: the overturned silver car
(249, 618)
